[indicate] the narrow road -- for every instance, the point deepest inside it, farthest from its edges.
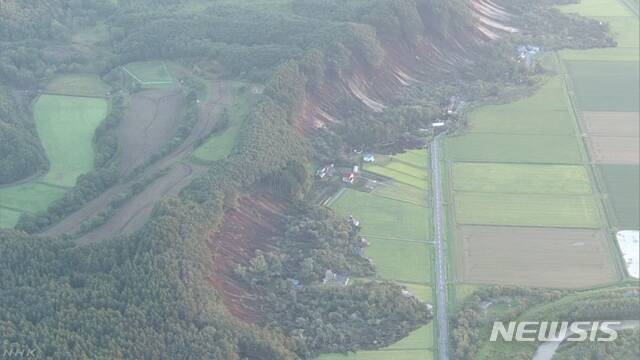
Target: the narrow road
(442, 321)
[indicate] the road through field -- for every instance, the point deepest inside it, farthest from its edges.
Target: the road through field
(442, 321)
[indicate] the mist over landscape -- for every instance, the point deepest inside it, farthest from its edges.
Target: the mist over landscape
(320, 179)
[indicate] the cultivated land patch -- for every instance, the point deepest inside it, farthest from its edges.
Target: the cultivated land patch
(605, 85)
(66, 126)
(514, 148)
(563, 258)
(612, 137)
(614, 150)
(615, 124)
(149, 123)
(621, 182)
(8, 218)
(596, 8)
(78, 84)
(403, 261)
(219, 145)
(546, 112)
(408, 168)
(520, 178)
(382, 217)
(149, 73)
(574, 211)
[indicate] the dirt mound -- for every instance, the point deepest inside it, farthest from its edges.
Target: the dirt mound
(245, 229)
(150, 122)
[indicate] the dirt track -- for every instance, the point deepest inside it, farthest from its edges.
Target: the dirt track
(170, 184)
(132, 215)
(539, 257)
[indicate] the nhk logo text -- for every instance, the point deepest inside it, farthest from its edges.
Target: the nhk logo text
(555, 331)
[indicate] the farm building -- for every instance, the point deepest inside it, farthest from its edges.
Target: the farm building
(349, 178)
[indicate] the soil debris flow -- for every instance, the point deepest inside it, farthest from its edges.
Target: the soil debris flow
(442, 321)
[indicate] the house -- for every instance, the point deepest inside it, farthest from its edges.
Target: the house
(368, 158)
(327, 171)
(349, 178)
(353, 221)
(452, 106)
(356, 169)
(295, 283)
(437, 124)
(331, 278)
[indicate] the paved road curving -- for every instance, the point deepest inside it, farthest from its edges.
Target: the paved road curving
(442, 321)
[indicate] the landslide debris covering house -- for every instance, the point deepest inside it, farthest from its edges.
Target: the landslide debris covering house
(331, 278)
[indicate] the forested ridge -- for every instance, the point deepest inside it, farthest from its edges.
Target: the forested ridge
(149, 295)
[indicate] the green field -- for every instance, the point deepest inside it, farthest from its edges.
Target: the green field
(605, 85)
(544, 113)
(575, 211)
(78, 84)
(515, 178)
(396, 224)
(400, 260)
(408, 168)
(621, 183)
(8, 218)
(402, 192)
(417, 346)
(219, 146)
(66, 126)
(29, 197)
(383, 217)
(514, 148)
(596, 8)
(149, 73)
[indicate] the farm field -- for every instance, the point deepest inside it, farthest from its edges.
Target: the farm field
(149, 123)
(382, 217)
(78, 84)
(66, 126)
(534, 256)
(8, 218)
(518, 178)
(574, 211)
(149, 73)
(623, 193)
(396, 223)
(544, 113)
(613, 124)
(614, 150)
(219, 145)
(605, 85)
(514, 148)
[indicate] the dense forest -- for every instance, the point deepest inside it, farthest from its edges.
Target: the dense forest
(21, 153)
(149, 295)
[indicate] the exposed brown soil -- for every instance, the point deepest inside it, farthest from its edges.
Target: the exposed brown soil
(537, 257)
(616, 124)
(132, 215)
(614, 150)
(149, 123)
(245, 229)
